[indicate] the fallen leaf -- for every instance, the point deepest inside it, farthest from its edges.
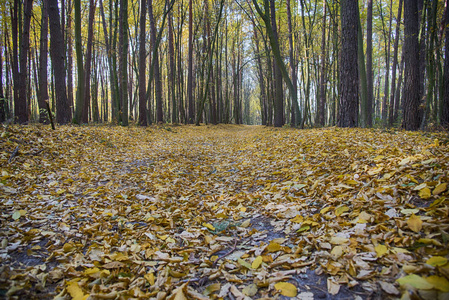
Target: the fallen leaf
(286, 289)
(436, 261)
(415, 223)
(415, 281)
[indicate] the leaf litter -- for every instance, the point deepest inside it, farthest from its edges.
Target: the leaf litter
(232, 212)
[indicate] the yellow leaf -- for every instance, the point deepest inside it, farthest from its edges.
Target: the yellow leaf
(325, 210)
(414, 223)
(209, 226)
(244, 263)
(91, 271)
(16, 215)
(415, 281)
(68, 247)
(298, 219)
(242, 209)
(149, 277)
(436, 261)
(76, 292)
(425, 193)
(336, 240)
(257, 262)
(303, 228)
(221, 216)
(337, 252)
(273, 247)
(381, 250)
(340, 210)
(440, 188)
(286, 289)
(440, 283)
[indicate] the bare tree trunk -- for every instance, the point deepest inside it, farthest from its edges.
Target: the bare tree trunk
(43, 65)
(412, 89)
(79, 64)
(142, 66)
(349, 94)
(69, 58)
(296, 117)
(172, 70)
(20, 107)
(393, 99)
(63, 114)
(123, 64)
(88, 62)
(445, 101)
(322, 88)
(191, 115)
(369, 65)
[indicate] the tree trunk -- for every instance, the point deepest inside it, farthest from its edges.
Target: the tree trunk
(393, 98)
(43, 66)
(172, 70)
(155, 66)
(88, 62)
(296, 118)
(63, 114)
(445, 101)
(70, 58)
(142, 65)
(123, 63)
(369, 65)
(322, 86)
(412, 89)
(79, 64)
(349, 92)
(387, 71)
(3, 99)
(191, 107)
(20, 107)
(362, 75)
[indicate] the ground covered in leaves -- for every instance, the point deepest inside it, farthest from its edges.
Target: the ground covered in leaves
(231, 212)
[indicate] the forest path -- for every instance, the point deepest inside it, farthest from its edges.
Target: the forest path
(214, 211)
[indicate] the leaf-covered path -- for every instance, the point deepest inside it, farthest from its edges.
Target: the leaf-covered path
(231, 212)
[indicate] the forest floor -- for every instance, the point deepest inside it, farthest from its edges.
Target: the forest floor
(226, 211)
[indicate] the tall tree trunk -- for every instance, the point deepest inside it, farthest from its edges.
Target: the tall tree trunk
(369, 65)
(412, 89)
(322, 86)
(155, 65)
(70, 58)
(20, 107)
(362, 75)
(43, 65)
(57, 55)
(296, 118)
(142, 65)
(393, 99)
(88, 61)
(445, 100)
(15, 15)
(172, 70)
(2, 96)
(123, 64)
(191, 107)
(279, 94)
(349, 92)
(387, 71)
(79, 64)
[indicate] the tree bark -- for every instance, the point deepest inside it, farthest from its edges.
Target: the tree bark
(63, 114)
(369, 65)
(70, 58)
(393, 98)
(20, 107)
(79, 64)
(88, 62)
(172, 70)
(445, 101)
(155, 65)
(296, 118)
(322, 87)
(43, 65)
(142, 65)
(191, 108)
(123, 64)
(349, 91)
(412, 89)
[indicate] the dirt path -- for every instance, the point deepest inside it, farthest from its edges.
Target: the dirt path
(219, 211)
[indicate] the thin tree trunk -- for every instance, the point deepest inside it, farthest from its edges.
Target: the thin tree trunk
(123, 64)
(88, 62)
(172, 70)
(191, 115)
(63, 114)
(369, 65)
(20, 107)
(322, 85)
(296, 118)
(79, 64)
(393, 98)
(142, 65)
(387, 71)
(445, 100)
(70, 58)
(43, 65)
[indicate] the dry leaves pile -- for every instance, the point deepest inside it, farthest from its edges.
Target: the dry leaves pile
(234, 212)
